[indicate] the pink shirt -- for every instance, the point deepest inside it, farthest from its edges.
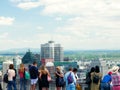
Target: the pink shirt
(115, 79)
(21, 74)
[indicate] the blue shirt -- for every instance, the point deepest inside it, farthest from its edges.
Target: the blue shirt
(72, 74)
(106, 79)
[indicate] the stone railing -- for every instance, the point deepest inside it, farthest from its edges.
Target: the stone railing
(51, 85)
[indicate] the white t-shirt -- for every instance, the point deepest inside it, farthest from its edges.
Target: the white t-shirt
(11, 74)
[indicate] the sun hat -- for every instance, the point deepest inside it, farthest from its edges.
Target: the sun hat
(115, 69)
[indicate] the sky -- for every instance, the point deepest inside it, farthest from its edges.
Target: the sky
(75, 24)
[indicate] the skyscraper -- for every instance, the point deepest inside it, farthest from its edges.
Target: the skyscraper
(52, 51)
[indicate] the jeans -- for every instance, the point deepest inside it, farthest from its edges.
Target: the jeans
(70, 87)
(10, 84)
(22, 84)
(105, 86)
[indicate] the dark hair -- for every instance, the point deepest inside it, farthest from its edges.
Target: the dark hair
(34, 62)
(11, 66)
(70, 69)
(97, 70)
(74, 69)
(92, 70)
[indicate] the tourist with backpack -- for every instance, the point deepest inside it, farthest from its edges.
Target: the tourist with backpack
(11, 75)
(21, 71)
(70, 80)
(96, 79)
(88, 77)
(105, 83)
(59, 78)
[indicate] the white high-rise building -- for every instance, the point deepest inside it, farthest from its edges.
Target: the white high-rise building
(51, 50)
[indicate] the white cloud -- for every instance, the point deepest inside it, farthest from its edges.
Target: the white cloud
(80, 7)
(40, 28)
(6, 20)
(95, 24)
(4, 35)
(28, 5)
(58, 18)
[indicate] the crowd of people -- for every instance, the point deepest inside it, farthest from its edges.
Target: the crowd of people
(39, 76)
(110, 81)
(42, 77)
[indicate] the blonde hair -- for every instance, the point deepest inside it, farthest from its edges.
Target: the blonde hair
(58, 68)
(43, 70)
(22, 68)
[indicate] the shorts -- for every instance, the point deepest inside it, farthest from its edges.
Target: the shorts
(34, 81)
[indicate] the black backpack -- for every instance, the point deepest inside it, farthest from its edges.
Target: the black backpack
(96, 79)
(5, 78)
(88, 78)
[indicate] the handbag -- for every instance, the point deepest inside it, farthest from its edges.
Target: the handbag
(78, 87)
(49, 78)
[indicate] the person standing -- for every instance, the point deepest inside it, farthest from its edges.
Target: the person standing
(0, 80)
(72, 85)
(59, 76)
(43, 76)
(96, 86)
(115, 78)
(11, 74)
(88, 77)
(78, 87)
(21, 72)
(33, 75)
(105, 83)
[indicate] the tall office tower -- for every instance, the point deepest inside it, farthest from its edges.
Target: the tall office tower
(51, 51)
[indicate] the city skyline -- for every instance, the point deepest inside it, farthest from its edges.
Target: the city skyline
(75, 24)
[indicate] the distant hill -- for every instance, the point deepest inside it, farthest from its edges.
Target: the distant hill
(22, 51)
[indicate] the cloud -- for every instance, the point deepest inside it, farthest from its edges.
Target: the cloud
(58, 18)
(4, 35)
(28, 5)
(6, 20)
(87, 24)
(40, 28)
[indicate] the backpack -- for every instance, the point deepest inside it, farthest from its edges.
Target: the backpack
(70, 78)
(27, 75)
(5, 78)
(96, 79)
(61, 82)
(88, 78)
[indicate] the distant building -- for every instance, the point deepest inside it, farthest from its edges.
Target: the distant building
(30, 57)
(51, 50)
(17, 61)
(102, 65)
